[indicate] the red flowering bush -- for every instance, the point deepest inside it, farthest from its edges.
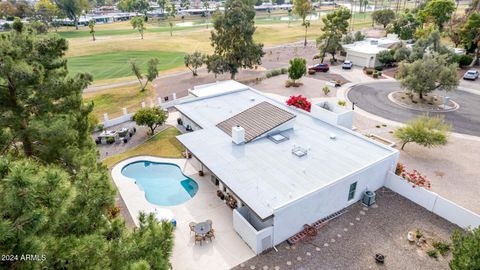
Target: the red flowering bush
(414, 177)
(299, 102)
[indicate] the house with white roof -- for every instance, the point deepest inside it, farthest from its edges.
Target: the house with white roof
(285, 167)
(364, 53)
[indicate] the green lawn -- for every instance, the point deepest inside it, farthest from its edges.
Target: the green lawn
(164, 144)
(115, 65)
(85, 32)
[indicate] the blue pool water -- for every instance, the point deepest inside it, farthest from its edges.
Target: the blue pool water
(164, 183)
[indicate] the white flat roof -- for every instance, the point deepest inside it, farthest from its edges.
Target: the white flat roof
(215, 88)
(264, 174)
(366, 46)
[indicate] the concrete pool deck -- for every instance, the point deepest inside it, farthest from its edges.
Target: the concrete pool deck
(224, 252)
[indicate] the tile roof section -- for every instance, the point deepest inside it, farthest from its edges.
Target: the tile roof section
(257, 120)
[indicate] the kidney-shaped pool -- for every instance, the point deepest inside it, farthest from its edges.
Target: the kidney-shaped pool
(163, 183)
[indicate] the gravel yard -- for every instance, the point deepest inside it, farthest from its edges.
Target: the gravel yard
(352, 240)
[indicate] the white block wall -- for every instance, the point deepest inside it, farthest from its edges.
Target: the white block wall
(433, 202)
(249, 234)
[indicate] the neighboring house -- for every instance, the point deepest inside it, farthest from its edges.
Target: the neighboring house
(284, 166)
(364, 53)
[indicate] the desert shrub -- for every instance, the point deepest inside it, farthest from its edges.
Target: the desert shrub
(273, 73)
(432, 253)
(326, 90)
(342, 103)
(110, 140)
(369, 71)
(284, 70)
(375, 75)
(442, 247)
(464, 60)
(378, 68)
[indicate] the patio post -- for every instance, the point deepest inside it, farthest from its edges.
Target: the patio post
(159, 101)
(125, 111)
(174, 96)
(143, 104)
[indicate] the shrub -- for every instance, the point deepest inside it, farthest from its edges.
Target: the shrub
(298, 68)
(326, 90)
(342, 103)
(378, 68)
(273, 73)
(400, 168)
(442, 247)
(464, 60)
(284, 70)
(369, 71)
(300, 102)
(379, 73)
(110, 140)
(432, 253)
(375, 75)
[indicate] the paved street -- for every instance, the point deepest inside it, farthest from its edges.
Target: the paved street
(373, 98)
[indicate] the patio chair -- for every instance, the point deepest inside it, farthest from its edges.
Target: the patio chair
(210, 235)
(199, 238)
(192, 226)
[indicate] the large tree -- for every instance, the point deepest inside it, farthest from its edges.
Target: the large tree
(137, 6)
(302, 8)
(72, 9)
(465, 249)
(232, 38)
(383, 17)
(193, 61)
(138, 22)
(152, 71)
(56, 200)
(45, 11)
(438, 11)
(405, 25)
(425, 131)
(335, 25)
(150, 117)
(427, 74)
(470, 34)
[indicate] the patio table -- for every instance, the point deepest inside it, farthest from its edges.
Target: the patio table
(202, 228)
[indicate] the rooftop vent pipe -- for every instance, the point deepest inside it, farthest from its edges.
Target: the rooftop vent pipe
(238, 134)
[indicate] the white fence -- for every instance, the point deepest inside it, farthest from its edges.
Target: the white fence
(433, 202)
(257, 240)
(107, 122)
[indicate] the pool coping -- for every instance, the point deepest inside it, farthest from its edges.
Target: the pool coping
(131, 194)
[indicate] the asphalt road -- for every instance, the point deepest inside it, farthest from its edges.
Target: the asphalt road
(373, 98)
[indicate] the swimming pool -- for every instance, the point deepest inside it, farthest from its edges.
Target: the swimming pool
(163, 183)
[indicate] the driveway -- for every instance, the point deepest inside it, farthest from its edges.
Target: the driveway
(373, 98)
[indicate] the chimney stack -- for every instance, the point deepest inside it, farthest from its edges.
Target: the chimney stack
(238, 134)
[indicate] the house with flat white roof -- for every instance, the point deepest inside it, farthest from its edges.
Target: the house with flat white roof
(364, 53)
(283, 166)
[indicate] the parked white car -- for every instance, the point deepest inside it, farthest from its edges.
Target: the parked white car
(472, 74)
(347, 64)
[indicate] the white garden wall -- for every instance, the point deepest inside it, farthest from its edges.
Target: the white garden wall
(433, 202)
(259, 240)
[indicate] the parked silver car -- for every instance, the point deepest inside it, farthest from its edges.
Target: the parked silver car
(472, 74)
(347, 64)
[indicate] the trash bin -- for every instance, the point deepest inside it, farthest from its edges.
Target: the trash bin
(368, 198)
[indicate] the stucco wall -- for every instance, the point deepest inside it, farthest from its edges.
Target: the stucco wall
(250, 235)
(289, 220)
(433, 202)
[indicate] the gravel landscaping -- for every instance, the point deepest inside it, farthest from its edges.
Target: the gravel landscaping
(352, 240)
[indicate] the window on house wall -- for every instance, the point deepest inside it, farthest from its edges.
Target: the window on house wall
(351, 192)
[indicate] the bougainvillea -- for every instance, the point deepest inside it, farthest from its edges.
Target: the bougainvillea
(414, 177)
(299, 102)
